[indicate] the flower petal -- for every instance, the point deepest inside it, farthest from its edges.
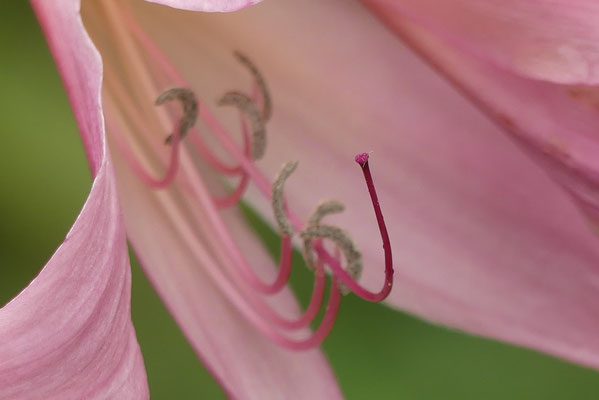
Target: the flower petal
(484, 240)
(207, 5)
(552, 40)
(69, 333)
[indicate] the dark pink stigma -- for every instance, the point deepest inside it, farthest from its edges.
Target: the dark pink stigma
(362, 158)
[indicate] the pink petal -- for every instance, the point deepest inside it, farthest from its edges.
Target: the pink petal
(552, 40)
(69, 333)
(557, 125)
(484, 240)
(207, 5)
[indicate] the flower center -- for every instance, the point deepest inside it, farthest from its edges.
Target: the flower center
(326, 248)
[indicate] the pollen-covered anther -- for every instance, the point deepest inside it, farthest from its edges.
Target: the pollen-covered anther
(323, 209)
(278, 202)
(245, 104)
(344, 242)
(190, 109)
(260, 83)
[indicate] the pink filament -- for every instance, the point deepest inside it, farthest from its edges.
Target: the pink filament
(142, 173)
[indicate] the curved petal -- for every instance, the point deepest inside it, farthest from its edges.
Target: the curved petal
(551, 40)
(69, 334)
(556, 123)
(483, 239)
(209, 6)
(80, 68)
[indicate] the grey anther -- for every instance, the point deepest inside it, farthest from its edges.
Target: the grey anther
(260, 82)
(245, 104)
(278, 203)
(190, 109)
(344, 242)
(323, 209)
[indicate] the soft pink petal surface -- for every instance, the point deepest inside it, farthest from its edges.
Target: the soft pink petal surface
(207, 5)
(551, 40)
(556, 125)
(483, 238)
(69, 335)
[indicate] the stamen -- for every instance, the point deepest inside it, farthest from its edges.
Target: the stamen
(190, 109)
(238, 282)
(323, 209)
(245, 104)
(278, 203)
(260, 82)
(343, 240)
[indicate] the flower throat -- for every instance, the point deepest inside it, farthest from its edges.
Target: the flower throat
(324, 246)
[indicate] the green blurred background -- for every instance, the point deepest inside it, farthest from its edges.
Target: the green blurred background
(376, 352)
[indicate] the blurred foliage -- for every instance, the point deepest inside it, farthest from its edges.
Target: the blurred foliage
(376, 352)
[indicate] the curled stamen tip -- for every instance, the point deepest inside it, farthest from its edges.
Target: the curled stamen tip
(278, 206)
(239, 55)
(290, 166)
(362, 158)
(246, 105)
(190, 109)
(177, 92)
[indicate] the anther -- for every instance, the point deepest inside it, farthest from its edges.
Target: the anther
(260, 82)
(245, 104)
(343, 240)
(278, 203)
(190, 109)
(323, 209)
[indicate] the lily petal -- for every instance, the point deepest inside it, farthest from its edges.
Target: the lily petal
(484, 239)
(207, 5)
(550, 40)
(556, 124)
(69, 334)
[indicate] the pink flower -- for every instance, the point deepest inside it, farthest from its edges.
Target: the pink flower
(485, 240)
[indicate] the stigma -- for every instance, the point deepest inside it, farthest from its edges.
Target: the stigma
(329, 251)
